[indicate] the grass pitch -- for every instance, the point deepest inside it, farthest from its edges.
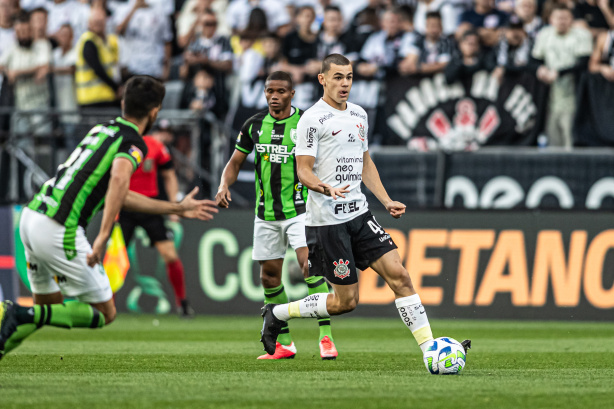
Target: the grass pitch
(210, 363)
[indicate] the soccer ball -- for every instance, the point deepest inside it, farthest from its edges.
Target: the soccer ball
(445, 356)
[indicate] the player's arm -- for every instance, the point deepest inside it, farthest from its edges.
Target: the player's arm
(119, 185)
(371, 179)
(229, 177)
(304, 169)
(171, 185)
(189, 207)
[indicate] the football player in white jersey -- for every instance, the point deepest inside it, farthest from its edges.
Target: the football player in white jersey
(342, 235)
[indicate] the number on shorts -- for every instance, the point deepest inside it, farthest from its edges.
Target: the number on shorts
(374, 225)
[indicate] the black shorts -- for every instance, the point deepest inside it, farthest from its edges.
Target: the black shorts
(336, 251)
(152, 224)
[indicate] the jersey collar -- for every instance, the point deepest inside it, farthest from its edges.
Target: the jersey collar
(269, 117)
(127, 123)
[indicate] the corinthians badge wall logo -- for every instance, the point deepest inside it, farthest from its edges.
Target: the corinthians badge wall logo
(341, 268)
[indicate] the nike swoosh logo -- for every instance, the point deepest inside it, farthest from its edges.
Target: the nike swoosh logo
(335, 133)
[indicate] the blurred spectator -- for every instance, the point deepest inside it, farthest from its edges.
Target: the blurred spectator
(38, 23)
(562, 51)
(428, 53)
(257, 28)
(602, 59)
(549, 5)
(406, 13)
(300, 48)
(381, 53)
(97, 76)
(7, 32)
(238, 15)
(594, 15)
(513, 53)
(147, 41)
(26, 65)
(526, 10)
(469, 60)
(484, 18)
(332, 39)
(65, 97)
(188, 21)
(206, 49)
(209, 51)
(449, 15)
(365, 24)
(74, 13)
(201, 97)
(271, 45)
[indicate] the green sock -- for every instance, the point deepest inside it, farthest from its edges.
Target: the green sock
(71, 314)
(317, 284)
(23, 331)
(278, 295)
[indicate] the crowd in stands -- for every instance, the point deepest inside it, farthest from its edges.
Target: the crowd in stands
(67, 54)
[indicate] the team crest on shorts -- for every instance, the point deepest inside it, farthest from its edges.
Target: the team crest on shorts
(341, 269)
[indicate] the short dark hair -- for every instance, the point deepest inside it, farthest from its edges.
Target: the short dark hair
(470, 33)
(433, 14)
(280, 76)
(39, 10)
(21, 17)
(560, 6)
(336, 59)
(141, 95)
(332, 8)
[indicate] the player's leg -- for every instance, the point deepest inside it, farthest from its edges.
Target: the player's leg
(330, 254)
(378, 251)
(316, 283)
(411, 310)
(162, 239)
(269, 249)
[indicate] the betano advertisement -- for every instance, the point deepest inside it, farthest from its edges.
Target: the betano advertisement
(464, 264)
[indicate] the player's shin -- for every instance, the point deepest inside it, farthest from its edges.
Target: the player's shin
(71, 314)
(277, 295)
(414, 316)
(312, 306)
(318, 285)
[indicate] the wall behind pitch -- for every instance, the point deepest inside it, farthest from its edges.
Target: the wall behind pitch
(525, 265)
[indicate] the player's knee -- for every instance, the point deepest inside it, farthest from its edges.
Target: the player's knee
(169, 256)
(109, 315)
(348, 305)
(402, 285)
(270, 279)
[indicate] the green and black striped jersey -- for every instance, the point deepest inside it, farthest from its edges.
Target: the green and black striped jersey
(280, 194)
(78, 190)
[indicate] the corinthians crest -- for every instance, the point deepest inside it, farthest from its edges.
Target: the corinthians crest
(341, 268)
(361, 132)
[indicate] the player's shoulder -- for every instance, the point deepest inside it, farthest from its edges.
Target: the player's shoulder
(315, 113)
(258, 117)
(357, 110)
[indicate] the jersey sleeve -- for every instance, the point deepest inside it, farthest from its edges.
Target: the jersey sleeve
(132, 148)
(164, 159)
(245, 142)
(308, 136)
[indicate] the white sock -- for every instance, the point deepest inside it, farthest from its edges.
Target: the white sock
(312, 306)
(413, 315)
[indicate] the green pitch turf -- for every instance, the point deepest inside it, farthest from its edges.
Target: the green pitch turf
(210, 363)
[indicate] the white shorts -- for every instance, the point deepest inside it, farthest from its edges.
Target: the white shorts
(49, 269)
(271, 238)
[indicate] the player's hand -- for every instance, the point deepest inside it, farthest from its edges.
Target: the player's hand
(197, 209)
(95, 257)
(334, 191)
(222, 198)
(396, 209)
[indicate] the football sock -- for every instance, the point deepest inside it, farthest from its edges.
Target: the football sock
(312, 306)
(176, 276)
(413, 315)
(277, 295)
(316, 285)
(71, 314)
